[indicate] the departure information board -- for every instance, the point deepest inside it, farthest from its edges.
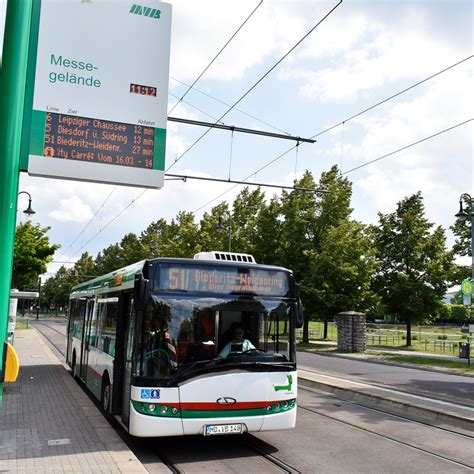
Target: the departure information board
(100, 141)
(97, 108)
(222, 280)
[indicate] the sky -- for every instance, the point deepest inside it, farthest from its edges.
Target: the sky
(361, 54)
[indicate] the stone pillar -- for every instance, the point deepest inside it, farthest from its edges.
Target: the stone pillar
(351, 332)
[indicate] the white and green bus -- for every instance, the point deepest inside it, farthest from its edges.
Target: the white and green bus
(147, 340)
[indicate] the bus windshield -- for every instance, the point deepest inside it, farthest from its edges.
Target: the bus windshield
(183, 331)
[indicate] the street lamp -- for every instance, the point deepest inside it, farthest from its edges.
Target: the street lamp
(462, 216)
(220, 228)
(29, 210)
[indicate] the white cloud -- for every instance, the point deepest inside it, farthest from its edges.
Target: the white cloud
(365, 52)
(71, 209)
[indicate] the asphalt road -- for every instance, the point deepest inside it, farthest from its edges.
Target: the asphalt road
(448, 387)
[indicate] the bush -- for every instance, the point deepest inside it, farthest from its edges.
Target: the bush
(443, 337)
(414, 337)
(459, 313)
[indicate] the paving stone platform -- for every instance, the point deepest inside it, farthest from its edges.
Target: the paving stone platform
(48, 423)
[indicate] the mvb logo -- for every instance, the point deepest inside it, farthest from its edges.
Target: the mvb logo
(145, 11)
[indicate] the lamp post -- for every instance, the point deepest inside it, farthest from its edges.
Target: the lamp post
(220, 228)
(462, 216)
(29, 210)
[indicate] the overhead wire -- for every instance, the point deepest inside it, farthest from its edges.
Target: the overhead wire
(256, 83)
(216, 56)
(407, 146)
(206, 94)
(342, 122)
(88, 223)
(180, 100)
(314, 136)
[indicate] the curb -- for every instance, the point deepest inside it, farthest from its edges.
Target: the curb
(387, 362)
(393, 405)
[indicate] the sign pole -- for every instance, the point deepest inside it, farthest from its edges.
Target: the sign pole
(12, 93)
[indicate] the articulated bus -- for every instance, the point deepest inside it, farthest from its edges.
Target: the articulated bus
(156, 343)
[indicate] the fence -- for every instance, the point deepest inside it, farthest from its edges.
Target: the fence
(396, 339)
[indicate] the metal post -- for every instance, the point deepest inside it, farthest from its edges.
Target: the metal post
(39, 299)
(12, 93)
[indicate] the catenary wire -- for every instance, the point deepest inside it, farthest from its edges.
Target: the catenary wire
(179, 100)
(407, 146)
(110, 222)
(249, 90)
(196, 108)
(206, 94)
(87, 225)
(290, 149)
(256, 83)
(269, 163)
(216, 56)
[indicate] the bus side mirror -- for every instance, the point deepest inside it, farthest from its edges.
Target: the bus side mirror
(299, 317)
(142, 292)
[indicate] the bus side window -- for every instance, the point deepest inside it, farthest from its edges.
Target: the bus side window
(109, 328)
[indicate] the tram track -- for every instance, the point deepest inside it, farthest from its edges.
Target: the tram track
(331, 396)
(246, 441)
(215, 454)
(43, 324)
(208, 455)
(385, 436)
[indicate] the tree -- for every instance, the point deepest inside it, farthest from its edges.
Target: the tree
(414, 264)
(32, 253)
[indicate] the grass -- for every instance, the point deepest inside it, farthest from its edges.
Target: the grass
(21, 324)
(460, 366)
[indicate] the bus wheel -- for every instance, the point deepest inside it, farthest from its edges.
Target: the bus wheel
(106, 394)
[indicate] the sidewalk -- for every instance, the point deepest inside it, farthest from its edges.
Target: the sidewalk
(48, 423)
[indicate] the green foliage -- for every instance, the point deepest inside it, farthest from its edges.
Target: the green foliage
(460, 313)
(453, 313)
(414, 264)
(33, 252)
(56, 290)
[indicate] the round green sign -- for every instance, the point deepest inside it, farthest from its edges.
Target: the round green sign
(466, 287)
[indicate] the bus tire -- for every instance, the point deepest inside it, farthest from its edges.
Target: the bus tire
(105, 395)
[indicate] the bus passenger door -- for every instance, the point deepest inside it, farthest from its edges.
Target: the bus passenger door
(86, 340)
(127, 367)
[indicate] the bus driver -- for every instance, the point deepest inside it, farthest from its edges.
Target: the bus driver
(238, 344)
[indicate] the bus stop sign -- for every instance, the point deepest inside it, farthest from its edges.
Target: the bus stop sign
(466, 287)
(96, 104)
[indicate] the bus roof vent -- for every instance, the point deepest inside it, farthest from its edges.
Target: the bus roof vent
(225, 257)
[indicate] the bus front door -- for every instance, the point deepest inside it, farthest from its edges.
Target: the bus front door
(86, 340)
(127, 368)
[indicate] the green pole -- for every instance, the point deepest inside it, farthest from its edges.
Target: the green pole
(12, 94)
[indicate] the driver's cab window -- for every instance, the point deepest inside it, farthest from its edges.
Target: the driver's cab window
(239, 332)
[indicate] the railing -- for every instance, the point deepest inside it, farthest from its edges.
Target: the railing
(396, 337)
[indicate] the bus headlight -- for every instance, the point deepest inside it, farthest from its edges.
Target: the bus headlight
(163, 409)
(151, 407)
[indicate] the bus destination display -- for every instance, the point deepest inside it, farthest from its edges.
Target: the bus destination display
(222, 280)
(101, 141)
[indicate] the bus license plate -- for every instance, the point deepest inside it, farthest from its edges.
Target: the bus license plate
(222, 429)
